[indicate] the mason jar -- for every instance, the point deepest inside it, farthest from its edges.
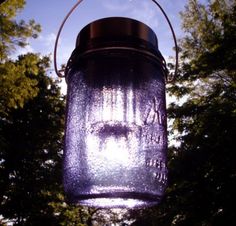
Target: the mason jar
(116, 136)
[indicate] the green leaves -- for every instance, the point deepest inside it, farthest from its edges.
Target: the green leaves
(201, 167)
(13, 33)
(202, 163)
(18, 81)
(211, 32)
(10, 8)
(31, 132)
(32, 135)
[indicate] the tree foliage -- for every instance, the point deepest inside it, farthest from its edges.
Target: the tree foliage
(202, 178)
(205, 180)
(31, 131)
(18, 82)
(12, 32)
(16, 87)
(31, 134)
(31, 149)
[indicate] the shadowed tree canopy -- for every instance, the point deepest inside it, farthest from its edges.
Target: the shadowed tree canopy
(202, 167)
(31, 151)
(31, 131)
(31, 135)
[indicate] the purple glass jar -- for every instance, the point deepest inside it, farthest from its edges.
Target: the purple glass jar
(116, 137)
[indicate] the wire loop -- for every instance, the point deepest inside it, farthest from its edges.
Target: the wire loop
(62, 75)
(58, 72)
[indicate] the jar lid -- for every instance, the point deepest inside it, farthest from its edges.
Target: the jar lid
(115, 31)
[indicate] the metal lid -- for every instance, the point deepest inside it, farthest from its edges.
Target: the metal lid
(115, 30)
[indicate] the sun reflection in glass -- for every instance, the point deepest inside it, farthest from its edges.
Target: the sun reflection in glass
(114, 126)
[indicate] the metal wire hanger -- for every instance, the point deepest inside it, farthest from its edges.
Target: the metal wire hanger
(61, 73)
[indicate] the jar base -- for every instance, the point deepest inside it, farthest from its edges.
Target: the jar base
(117, 200)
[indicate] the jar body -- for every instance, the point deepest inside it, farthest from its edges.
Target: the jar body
(116, 140)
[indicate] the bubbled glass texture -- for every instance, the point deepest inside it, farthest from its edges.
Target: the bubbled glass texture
(116, 141)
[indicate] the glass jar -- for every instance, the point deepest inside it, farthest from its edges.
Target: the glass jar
(116, 138)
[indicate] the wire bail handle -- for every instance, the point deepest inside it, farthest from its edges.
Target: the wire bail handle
(61, 73)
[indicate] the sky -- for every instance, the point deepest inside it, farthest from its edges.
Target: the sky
(50, 13)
